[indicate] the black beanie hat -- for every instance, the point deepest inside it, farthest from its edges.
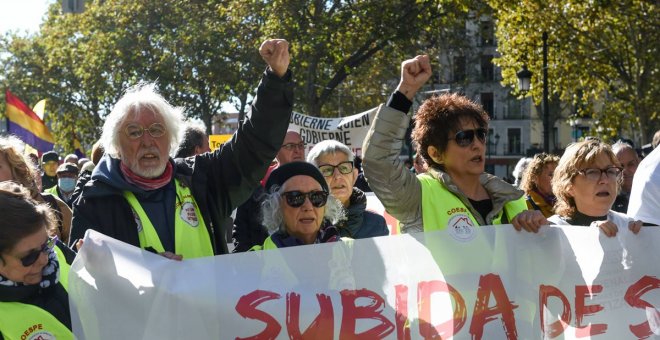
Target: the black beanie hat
(288, 170)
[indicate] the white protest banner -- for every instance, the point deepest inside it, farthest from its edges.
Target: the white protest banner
(349, 130)
(374, 205)
(488, 283)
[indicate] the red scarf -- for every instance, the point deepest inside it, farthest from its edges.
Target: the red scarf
(147, 183)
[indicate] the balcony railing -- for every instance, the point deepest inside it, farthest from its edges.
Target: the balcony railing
(514, 149)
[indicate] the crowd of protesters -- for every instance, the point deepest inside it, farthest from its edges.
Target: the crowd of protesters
(134, 191)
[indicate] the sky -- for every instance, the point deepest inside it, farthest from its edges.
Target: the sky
(22, 14)
(26, 15)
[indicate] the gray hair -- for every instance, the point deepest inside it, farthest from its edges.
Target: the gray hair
(329, 146)
(519, 170)
(273, 219)
(620, 146)
(193, 136)
(139, 97)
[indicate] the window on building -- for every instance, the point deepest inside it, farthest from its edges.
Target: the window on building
(514, 141)
(459, 69)
(487, 102)
(487, 68)
(487, 33)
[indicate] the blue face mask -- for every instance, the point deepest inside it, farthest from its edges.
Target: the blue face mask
(66, 184)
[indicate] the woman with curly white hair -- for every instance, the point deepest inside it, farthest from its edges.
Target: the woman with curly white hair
(298, 209)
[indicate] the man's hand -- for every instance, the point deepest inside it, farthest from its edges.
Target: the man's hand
(172, 256)
(275, 53)
(530, 220)
(414, 74)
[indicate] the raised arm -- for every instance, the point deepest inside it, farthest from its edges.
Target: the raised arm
(396, 187)
(275, 53)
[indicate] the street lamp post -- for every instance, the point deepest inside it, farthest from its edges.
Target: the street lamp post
(575, 122)
(524, 80)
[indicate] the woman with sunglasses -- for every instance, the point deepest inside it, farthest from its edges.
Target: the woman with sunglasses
(586, 182)
(16, 167)
(335, 161)
(536, 182)
(33, 270)
(451, 132)
(298, 208)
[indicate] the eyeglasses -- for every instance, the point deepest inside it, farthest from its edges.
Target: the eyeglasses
(293, 146)
(344, 168)
(594, 174)
(296, 199)
(134, 131)
(466, 137)
(33, 256)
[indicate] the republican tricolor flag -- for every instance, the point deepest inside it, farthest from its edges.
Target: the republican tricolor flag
(26, 125)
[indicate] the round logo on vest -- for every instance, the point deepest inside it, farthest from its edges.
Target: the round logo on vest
(43, 335)
(189, 214)
(461, 228)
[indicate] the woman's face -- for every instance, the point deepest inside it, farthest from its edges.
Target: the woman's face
(305, 221)
(341, 185)
(468, 159)
(5, 169)
(12, 268)
(543, 182)
(595, 196)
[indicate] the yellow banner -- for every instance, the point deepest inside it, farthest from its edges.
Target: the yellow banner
(215, 141)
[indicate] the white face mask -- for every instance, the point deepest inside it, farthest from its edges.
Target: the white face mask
(66, 184)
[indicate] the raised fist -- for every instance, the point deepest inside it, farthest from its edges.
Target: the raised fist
(414, 74)
(275, 53)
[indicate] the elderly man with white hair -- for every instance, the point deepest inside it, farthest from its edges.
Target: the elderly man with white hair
(140, 195)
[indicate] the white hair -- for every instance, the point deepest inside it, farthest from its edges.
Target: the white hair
(273, 219)
(622, 145)
(329, 146)
(137, 98)
(519, 170)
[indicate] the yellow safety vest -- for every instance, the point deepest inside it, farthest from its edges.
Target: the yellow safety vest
(441, 208)
(20, 321)
(23, 321)
(191, 238)
(268, 244)
(53, 191)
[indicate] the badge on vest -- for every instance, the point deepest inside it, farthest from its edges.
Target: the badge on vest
(189, 214)
(137, 220)
(460, 227)
(36, 332)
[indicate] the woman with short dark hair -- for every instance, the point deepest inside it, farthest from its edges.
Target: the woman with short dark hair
(33, 269)
(451, 133)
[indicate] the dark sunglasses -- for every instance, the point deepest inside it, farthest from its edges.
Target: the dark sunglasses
(466, 137)
(344, 168)
(296, 199)
(33, 256)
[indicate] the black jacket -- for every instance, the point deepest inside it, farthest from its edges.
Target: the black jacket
(219, 181)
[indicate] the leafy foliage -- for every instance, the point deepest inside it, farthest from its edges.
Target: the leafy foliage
(603, 57)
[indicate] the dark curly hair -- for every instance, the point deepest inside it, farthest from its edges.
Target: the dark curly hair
(439, 118)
